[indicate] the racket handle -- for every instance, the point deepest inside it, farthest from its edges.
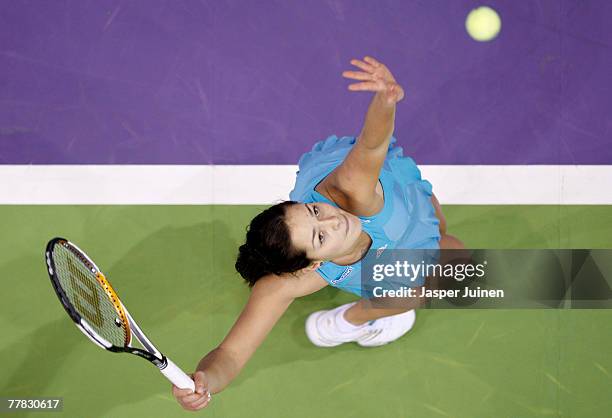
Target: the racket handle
(178, 377)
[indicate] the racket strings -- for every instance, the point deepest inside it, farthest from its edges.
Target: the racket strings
(79, 281)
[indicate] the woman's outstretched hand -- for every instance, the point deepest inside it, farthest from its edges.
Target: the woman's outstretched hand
(375, 76)
(193, 401)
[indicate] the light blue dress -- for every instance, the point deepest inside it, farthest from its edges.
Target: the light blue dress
(407, 220)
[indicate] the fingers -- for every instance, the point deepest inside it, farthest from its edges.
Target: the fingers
(368, 64)
(366, 86)
(372, 67)
(357, 75)
(179, 393)
(363, 65)
(190, 400)
(202, 403)
(372, 61)
(374, 77)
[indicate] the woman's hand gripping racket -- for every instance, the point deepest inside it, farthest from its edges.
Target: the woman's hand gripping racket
(96, 310)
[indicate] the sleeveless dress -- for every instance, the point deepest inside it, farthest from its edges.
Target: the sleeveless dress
(406, 221)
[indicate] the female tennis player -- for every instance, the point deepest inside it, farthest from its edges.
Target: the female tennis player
(351, 195)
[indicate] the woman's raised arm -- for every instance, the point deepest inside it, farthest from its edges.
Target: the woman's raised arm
(355, 179)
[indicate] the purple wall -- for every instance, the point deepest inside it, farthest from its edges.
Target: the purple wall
(258, 82)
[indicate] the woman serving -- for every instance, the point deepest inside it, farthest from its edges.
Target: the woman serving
(351, 195)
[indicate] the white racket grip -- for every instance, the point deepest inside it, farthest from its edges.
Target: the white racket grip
(178, 377)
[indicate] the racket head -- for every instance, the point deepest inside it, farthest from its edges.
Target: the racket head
(87, 296)
(93, 305)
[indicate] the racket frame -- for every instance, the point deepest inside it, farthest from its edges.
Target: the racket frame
(152, 354)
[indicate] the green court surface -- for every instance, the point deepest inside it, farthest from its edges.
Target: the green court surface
(173, 268)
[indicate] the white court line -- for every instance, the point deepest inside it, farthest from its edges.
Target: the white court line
(265, 184)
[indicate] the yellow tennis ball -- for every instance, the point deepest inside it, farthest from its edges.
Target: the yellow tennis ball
(483, 24)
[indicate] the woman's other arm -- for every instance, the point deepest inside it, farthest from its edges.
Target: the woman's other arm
(269, 299)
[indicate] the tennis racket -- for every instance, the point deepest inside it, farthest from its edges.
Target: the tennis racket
(96, 310)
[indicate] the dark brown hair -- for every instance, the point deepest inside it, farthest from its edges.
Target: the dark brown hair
(268, 247)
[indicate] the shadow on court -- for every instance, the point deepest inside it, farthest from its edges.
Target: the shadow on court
(180, 285)
(159, 279)
(37, 359)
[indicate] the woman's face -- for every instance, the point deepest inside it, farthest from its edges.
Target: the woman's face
(324, 231)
